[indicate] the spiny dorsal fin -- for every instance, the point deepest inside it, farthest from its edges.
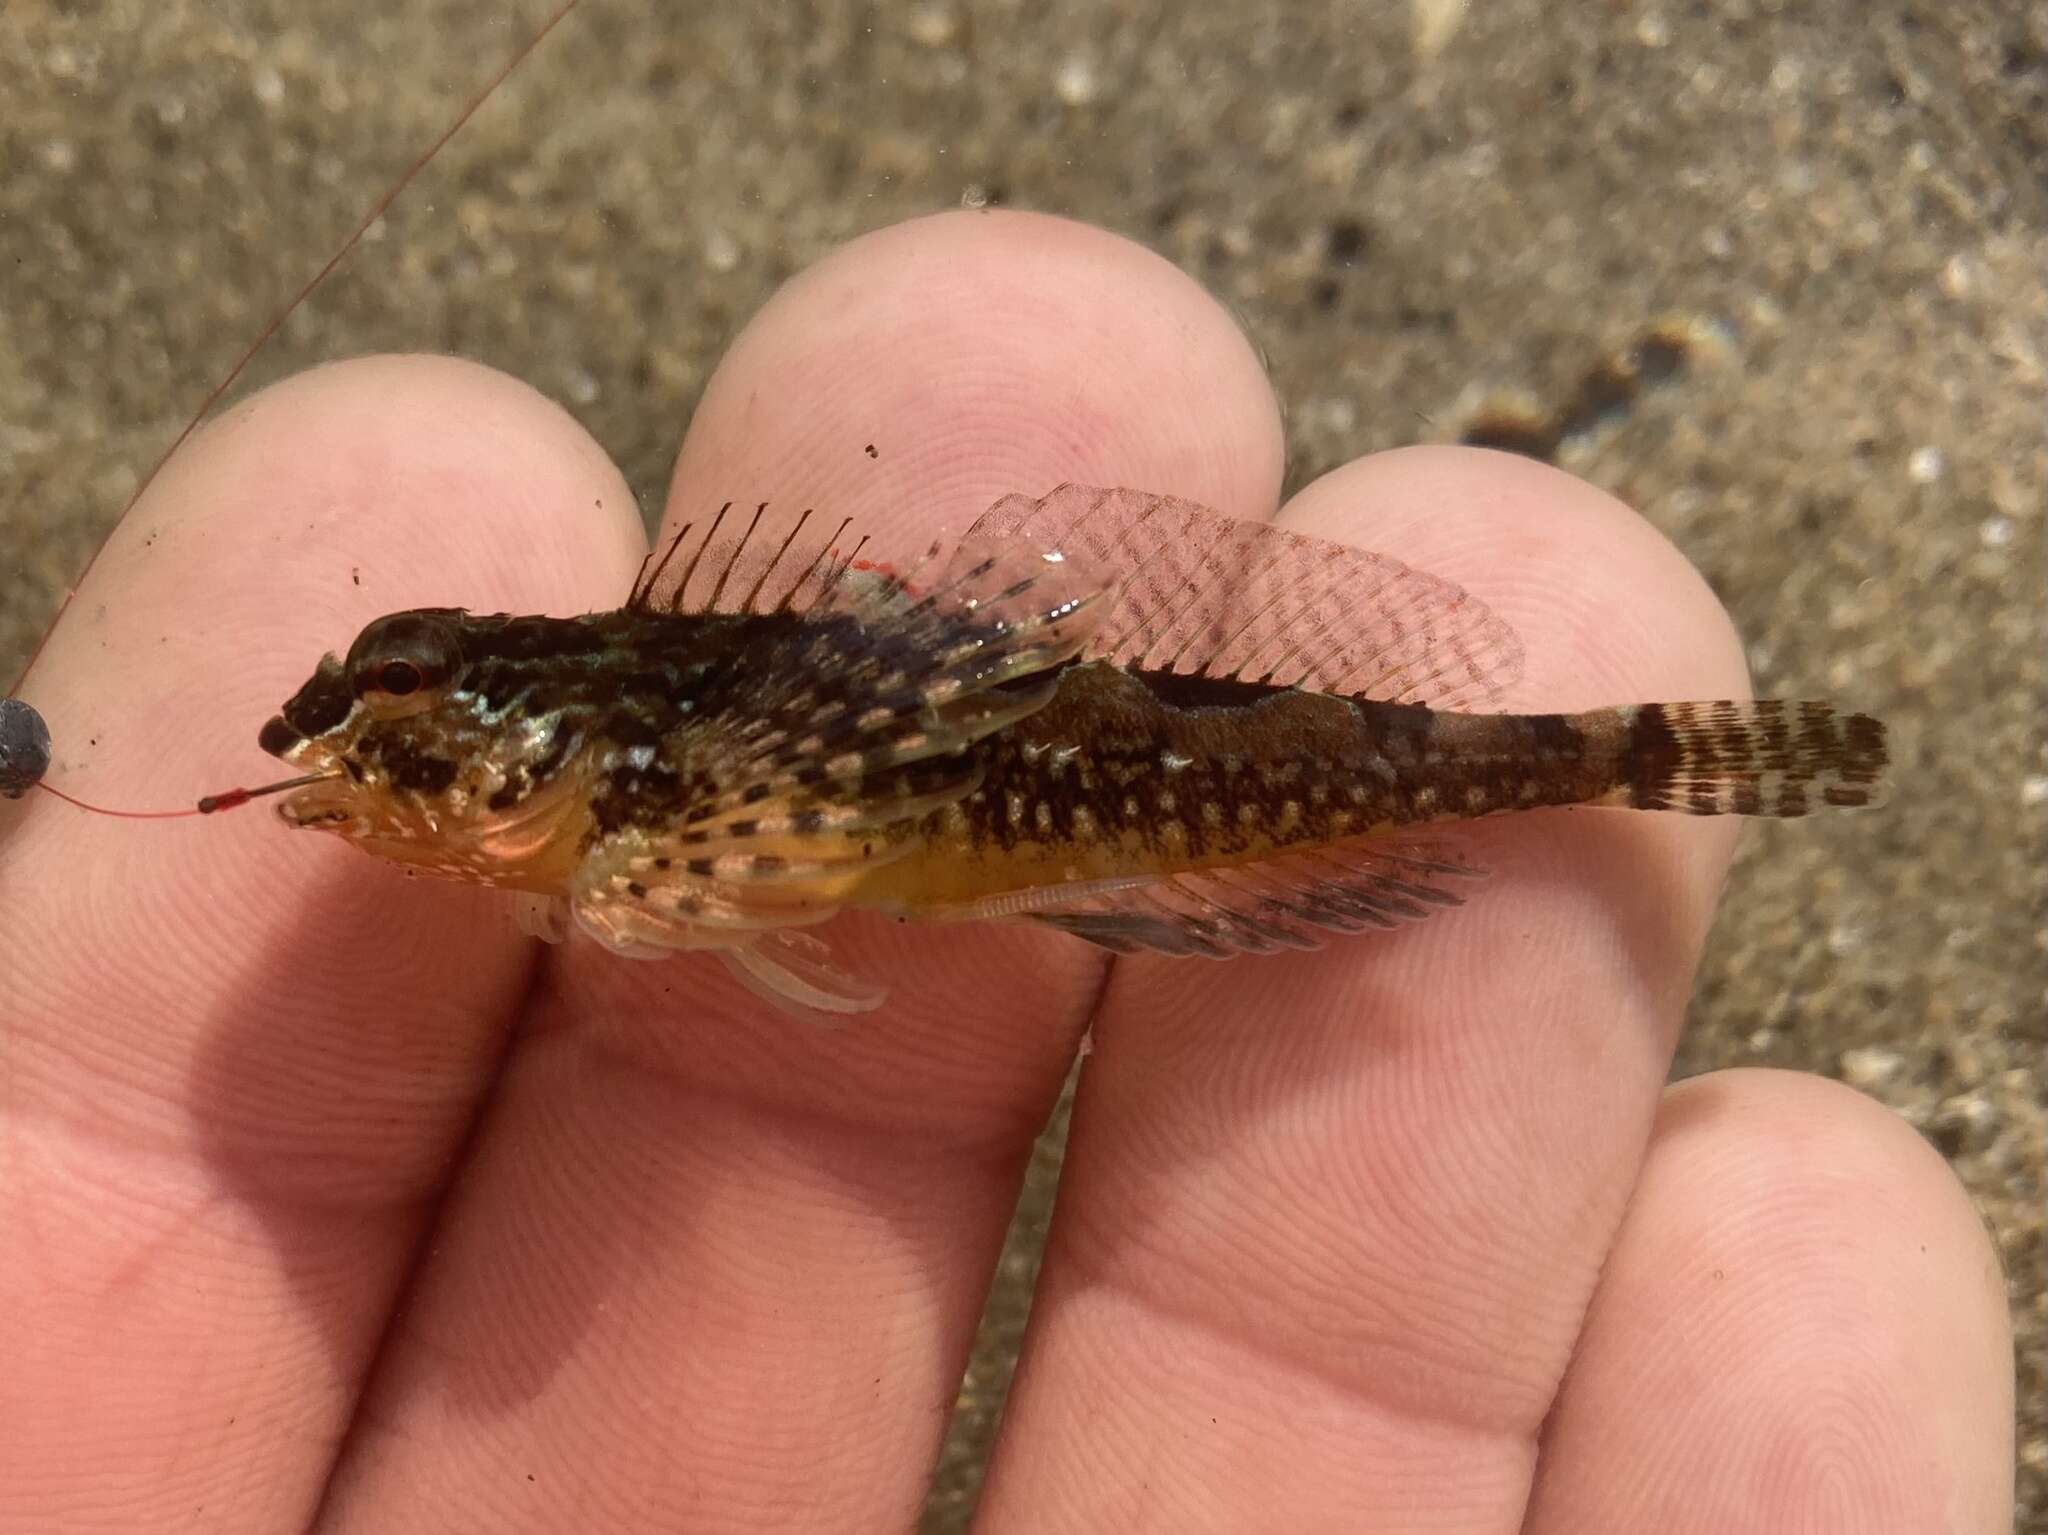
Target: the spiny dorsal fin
(759, 559)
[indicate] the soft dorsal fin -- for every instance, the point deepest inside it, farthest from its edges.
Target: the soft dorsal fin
(1203, 593)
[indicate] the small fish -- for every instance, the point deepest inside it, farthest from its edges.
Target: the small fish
(1117, 714)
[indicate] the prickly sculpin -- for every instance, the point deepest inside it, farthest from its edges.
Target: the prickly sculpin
(1117, 714)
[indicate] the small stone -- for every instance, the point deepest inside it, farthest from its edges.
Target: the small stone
(1926, 465)
(1074, 81)
(721, 251)
(1962, 1124)
(1869, 1065)
(1432, 24)
(1958, 276)
(1333, 414)
(934, 26)
(1995, 532)
(1961, 1060)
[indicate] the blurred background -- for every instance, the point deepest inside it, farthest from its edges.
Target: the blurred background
(1433, 219)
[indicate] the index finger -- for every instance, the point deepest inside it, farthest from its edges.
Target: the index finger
(238, 1061)
(784, 1234)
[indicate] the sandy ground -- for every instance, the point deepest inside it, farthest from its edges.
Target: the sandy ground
(1412, 210)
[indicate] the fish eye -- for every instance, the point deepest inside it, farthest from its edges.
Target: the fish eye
(400, 661)
(399, 678)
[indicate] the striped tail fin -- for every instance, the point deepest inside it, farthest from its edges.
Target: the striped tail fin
(1771, 758)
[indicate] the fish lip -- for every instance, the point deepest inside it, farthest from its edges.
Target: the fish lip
(280, 737)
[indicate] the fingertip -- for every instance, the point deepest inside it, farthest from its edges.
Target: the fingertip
(274, 535)
(245, 1057)
(1802, 1315)
(1609, 609)
(980, 354)
(338, 494)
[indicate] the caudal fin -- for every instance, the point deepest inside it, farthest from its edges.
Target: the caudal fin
(1771, 757)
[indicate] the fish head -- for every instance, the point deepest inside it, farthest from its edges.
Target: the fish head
(442, 747)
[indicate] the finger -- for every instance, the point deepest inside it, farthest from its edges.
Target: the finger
(782, 1235)
(1328, 1222)
(1801, 1326)
(237, 1061)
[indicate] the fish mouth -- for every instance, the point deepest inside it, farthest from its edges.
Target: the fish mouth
(532, 845)
(280, 738)
(332, 804)
(327, 806)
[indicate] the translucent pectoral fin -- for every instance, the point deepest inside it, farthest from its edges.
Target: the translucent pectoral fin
(545, 917)
(632, 897)
(794, 972)
(643, 904)
(1293, 902)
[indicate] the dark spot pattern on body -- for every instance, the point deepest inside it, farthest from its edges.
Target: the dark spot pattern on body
(1179, 690)
(1651, 759)
(634, 796)
(410, 767)
(636, 723)
(1556, 737)
(1247, 758)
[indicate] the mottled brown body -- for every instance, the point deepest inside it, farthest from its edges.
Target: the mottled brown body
(1153, 773)
(1224, 750)
(1125, 773)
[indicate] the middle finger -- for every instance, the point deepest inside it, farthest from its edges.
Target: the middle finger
(1329, 1221)
(722, 1265)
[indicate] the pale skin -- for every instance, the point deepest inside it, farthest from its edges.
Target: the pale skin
(331, 1202)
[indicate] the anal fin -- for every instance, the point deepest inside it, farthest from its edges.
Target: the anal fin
(1292, 902)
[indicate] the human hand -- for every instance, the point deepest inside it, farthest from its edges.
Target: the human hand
(325, 1191)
